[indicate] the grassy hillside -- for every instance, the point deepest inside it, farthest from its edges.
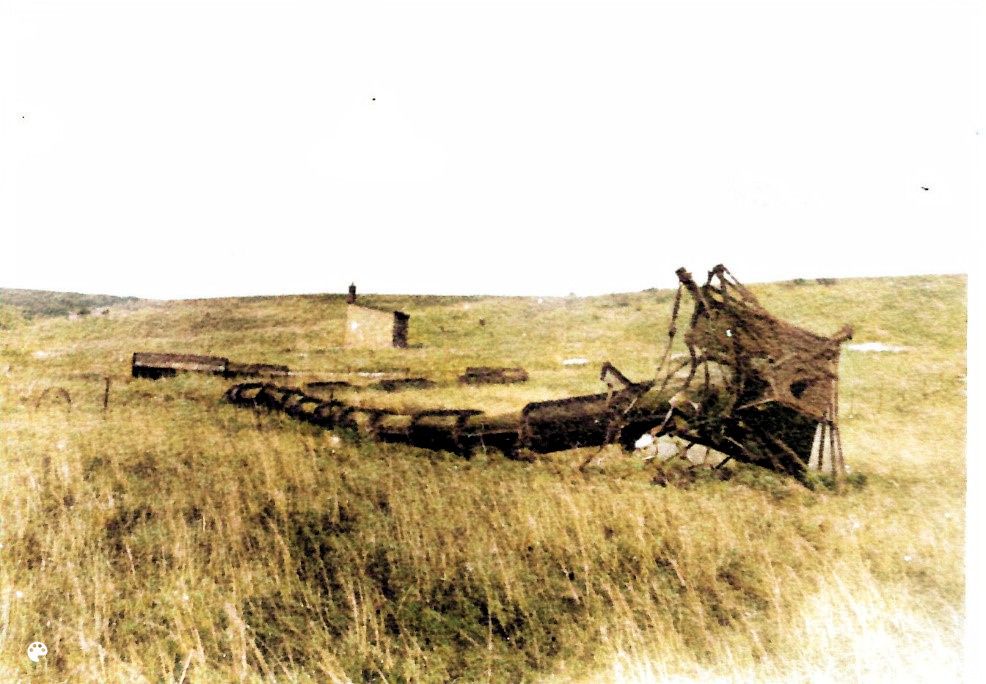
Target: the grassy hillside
(177, 538)
(33, 303)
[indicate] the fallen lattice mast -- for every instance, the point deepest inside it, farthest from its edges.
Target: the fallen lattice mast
(753, 387)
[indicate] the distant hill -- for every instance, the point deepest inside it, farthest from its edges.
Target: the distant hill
(39, 303)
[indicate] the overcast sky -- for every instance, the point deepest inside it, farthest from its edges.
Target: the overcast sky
(176, 149)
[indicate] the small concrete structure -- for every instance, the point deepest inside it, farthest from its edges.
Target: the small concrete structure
(373, 328)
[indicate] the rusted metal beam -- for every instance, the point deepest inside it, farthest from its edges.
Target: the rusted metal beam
(156, 365)
(255, 370)
(482, 375)
(398, 384)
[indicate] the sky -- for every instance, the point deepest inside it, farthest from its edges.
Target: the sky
(190, 149)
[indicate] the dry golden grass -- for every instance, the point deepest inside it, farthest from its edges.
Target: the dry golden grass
(177, 538)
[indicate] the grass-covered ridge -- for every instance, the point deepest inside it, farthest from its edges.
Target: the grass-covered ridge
(35, 303)
(176, 534)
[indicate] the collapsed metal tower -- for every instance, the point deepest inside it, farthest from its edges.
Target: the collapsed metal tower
(753, 387)
(756, 388)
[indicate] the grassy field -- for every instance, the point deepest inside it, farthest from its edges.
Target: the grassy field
(173, 537)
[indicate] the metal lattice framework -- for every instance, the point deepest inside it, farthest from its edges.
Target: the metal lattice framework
(755, 387)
